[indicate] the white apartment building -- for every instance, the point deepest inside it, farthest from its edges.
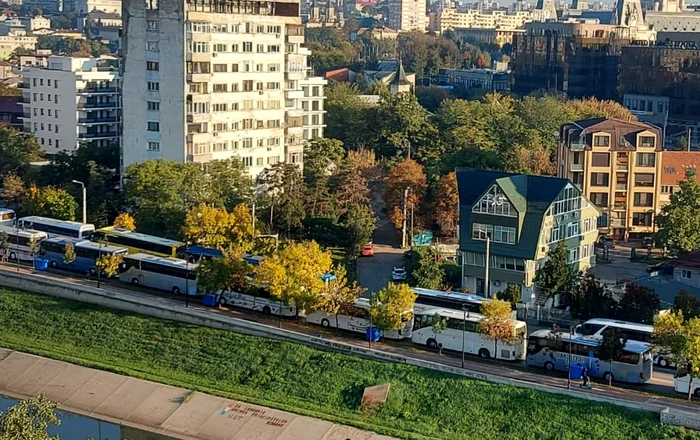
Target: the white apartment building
(451, 18)
(407, 15)
(214, 81)
(74, 102)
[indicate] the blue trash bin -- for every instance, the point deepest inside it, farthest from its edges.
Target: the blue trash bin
(209, 300)
(576, 372)
(41, 264)
(372, 334)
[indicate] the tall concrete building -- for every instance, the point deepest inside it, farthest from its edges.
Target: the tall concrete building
(407, 15)
(73, 102)
(210, 80)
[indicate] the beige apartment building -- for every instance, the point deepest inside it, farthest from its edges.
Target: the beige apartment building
(450, 18)
(618, 167)
(407, 15)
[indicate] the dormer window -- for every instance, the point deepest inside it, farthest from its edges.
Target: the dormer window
(494, 202)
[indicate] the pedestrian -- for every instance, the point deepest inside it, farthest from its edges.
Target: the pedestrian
(586, 379)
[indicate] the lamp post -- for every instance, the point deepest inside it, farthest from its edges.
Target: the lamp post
(82, 185)
(568, 375)
(17, 236)
(464, 330)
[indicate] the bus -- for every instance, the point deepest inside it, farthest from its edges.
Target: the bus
(681, 382)
(195, 253)
(464, 333)
(169, 274)
(357, 320)
(57, 228)
(550, 350)
(18, 241)
(7, 217)
(258, 300)
(137, 243)
(86, 254)
(430, 299)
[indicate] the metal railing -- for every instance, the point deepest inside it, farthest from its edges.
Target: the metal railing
(546, 315)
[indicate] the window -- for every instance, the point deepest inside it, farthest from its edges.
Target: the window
(601, 160)
(200, 47)
(686, 274)
(219, 107)
(273, 160)
(554, 235)
(572, 230)
(220, 48)
(247, 161)
(573, 255)
(248, 85)
(153, 126)
(200, 27)
(260, 29)
(641, 218)
(667, 189)
(220, 127)
(151, 25)
(247, 124)
(600, 199)
(247, 46)
(220, 68)
(220, 88)
(646, 159)
(295, 157)
(152, 46)
(273, 86)
(507, 263)
(480, 285)
(259, 161)
(247, 143)
(315, 106)
(260, 48)
(273, 48)
(34, 83)
(643, 199)
(601, 141)
(600, 179)
(495, 203)
(153, 146)
(153, 105)
(648, 141)
(643, 179)
(473, 259)
(220, 146)
(153, 86)
(603, 220)
(55, 99)
(498, 234)
(273, 67)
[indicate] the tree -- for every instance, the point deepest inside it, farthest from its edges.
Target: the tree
(322, 155)
(338, 298)
(34, 245)
(611, 348)
(447, 204)
(17, 150)
(348, 116)
(406, 174)
(69, 255)
(285, 185)
(29, 420)
(228, 183)
(681, 340)
(54, 203)
(556, 275)
(684, 302)
(588, 299)
(4, 245)
(429, 274)
(511, 294)
(216, 228)
(679, 221)
(439, 327)
(681, 144)
(360, 223)
(638, 304)
(389, 306)
(13, 190)
(125, 221)
(293, 275)
(229, 272)
(497, 323)
(109, 263)
(403, 123)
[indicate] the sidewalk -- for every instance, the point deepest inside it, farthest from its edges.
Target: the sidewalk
(161, 409)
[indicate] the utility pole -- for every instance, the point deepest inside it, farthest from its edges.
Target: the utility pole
(403, 229)
(487, 263)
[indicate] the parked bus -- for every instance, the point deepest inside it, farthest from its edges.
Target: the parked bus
(7, 217)
(550, 350)
(357, 320)
(86, 254)
(464, 333)
(18, 241)
(169, 274)
(195, 253)
(258, 300)
(138, 243)
(681, 380)
(430, 299)
(57, 228)
(632, 330)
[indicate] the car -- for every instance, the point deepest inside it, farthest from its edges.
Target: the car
(662, 268)
(606, 242)
(398, 274)
(408, 255)
(367, 251)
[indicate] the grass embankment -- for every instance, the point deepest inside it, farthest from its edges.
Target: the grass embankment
(422, 403)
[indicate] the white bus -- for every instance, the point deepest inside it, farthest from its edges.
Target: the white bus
(632, 330)
(550, 350)
(57, 228)
(18, 242)
(430, 299)
(259, 302)
(7, 217)
(681, 380)
(357, 320)
(461, 332)
(162, 273)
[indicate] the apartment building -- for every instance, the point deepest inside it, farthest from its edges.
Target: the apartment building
(617, 165)
(214, 81)
(72, 103)
(451, 18)
(9, 43)
(523, 217)
(304, 113)
(407, 15)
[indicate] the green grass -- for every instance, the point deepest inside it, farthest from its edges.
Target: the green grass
(422, 403)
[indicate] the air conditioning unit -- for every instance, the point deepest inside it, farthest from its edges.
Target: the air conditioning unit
(213, 54)
(261, 92)
(277, 35)
(269, 148)
(215, 134)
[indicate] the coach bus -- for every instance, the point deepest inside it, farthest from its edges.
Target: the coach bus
(430, 299)
(57, 228)
(7, 217)
(18, 242)
(169, 274)
(550, 350)
(137, 243)
(86, 254)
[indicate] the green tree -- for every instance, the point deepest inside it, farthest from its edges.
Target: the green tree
(681, 340)
(228, 184)
(56, 203)
(439, 327)
(389, 307)
(556, 275)
(360, 223)
(683, 302)
(337, 297)
(29, 420)
(588, 299)
(285, 185)
(403, 123)
(611, 349)
(679, 221)
(511, 294)
(348, 116)
(429, 274)
(108, 264)
(69, 255)
(322, 155)
(681, 144)
(17, 150)
(228, 273)
(638, 304)
(497, 323)
(13, 190)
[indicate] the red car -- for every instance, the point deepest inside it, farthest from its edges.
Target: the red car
(367, 251)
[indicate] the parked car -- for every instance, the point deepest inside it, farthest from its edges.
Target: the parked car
(606, 242)
(367, 251)
(408, 255)
(398, 274)
(662, 268)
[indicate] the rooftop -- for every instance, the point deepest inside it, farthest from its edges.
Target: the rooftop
(623, 133)
(676, 163)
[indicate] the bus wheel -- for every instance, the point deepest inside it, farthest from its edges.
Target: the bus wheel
(13, 256)
(663, 362)
(267, 311)
(325, 323)
(53, 264)
(176, 290)
(135, 281)
(697, 393)
(484, 353)
(93, 272)
(608, 376)
(432, 343)
(222, 301)
(549, 366)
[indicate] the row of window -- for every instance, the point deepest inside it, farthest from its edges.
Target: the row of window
(604, 141)
(248, 28)
(638, 219)
(232, 7)
(49, 112)
(497, 234)
(497, 262)
(495, 202)
(246, 67)
(580, 253)
(222, 145)
(51, 142)
(40, 97)
(642, 159)
(640, 179)
(246, 46)
(41, 126)
(246, 86)
(40, 81)
(601, 200)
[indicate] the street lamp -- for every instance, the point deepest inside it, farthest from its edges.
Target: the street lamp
(464, 330)
(84, 199)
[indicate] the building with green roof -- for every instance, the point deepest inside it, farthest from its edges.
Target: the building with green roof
(523, 217)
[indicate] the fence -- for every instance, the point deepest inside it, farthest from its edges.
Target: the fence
(544, 315)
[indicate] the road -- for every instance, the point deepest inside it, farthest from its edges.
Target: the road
(662, 380)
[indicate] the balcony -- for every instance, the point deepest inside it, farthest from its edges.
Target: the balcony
(621, 167)
(620, 206)
(97, 90)
(621, 186)
(617, 223)
(577, 146)
(576, 167)
(23, 86)
(98, 120)
(100, 135)
(97, 105)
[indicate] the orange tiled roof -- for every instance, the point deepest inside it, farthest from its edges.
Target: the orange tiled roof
(675, 163)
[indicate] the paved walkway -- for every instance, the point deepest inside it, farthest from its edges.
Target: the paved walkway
(174, 412)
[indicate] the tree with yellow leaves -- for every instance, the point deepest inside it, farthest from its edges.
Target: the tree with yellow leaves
(392, 306)
(498, 323)
(338, 298)
(293, 275)
(125, 221)
(229, 272)
(109, 264)
(680, 340)
(215, 227)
